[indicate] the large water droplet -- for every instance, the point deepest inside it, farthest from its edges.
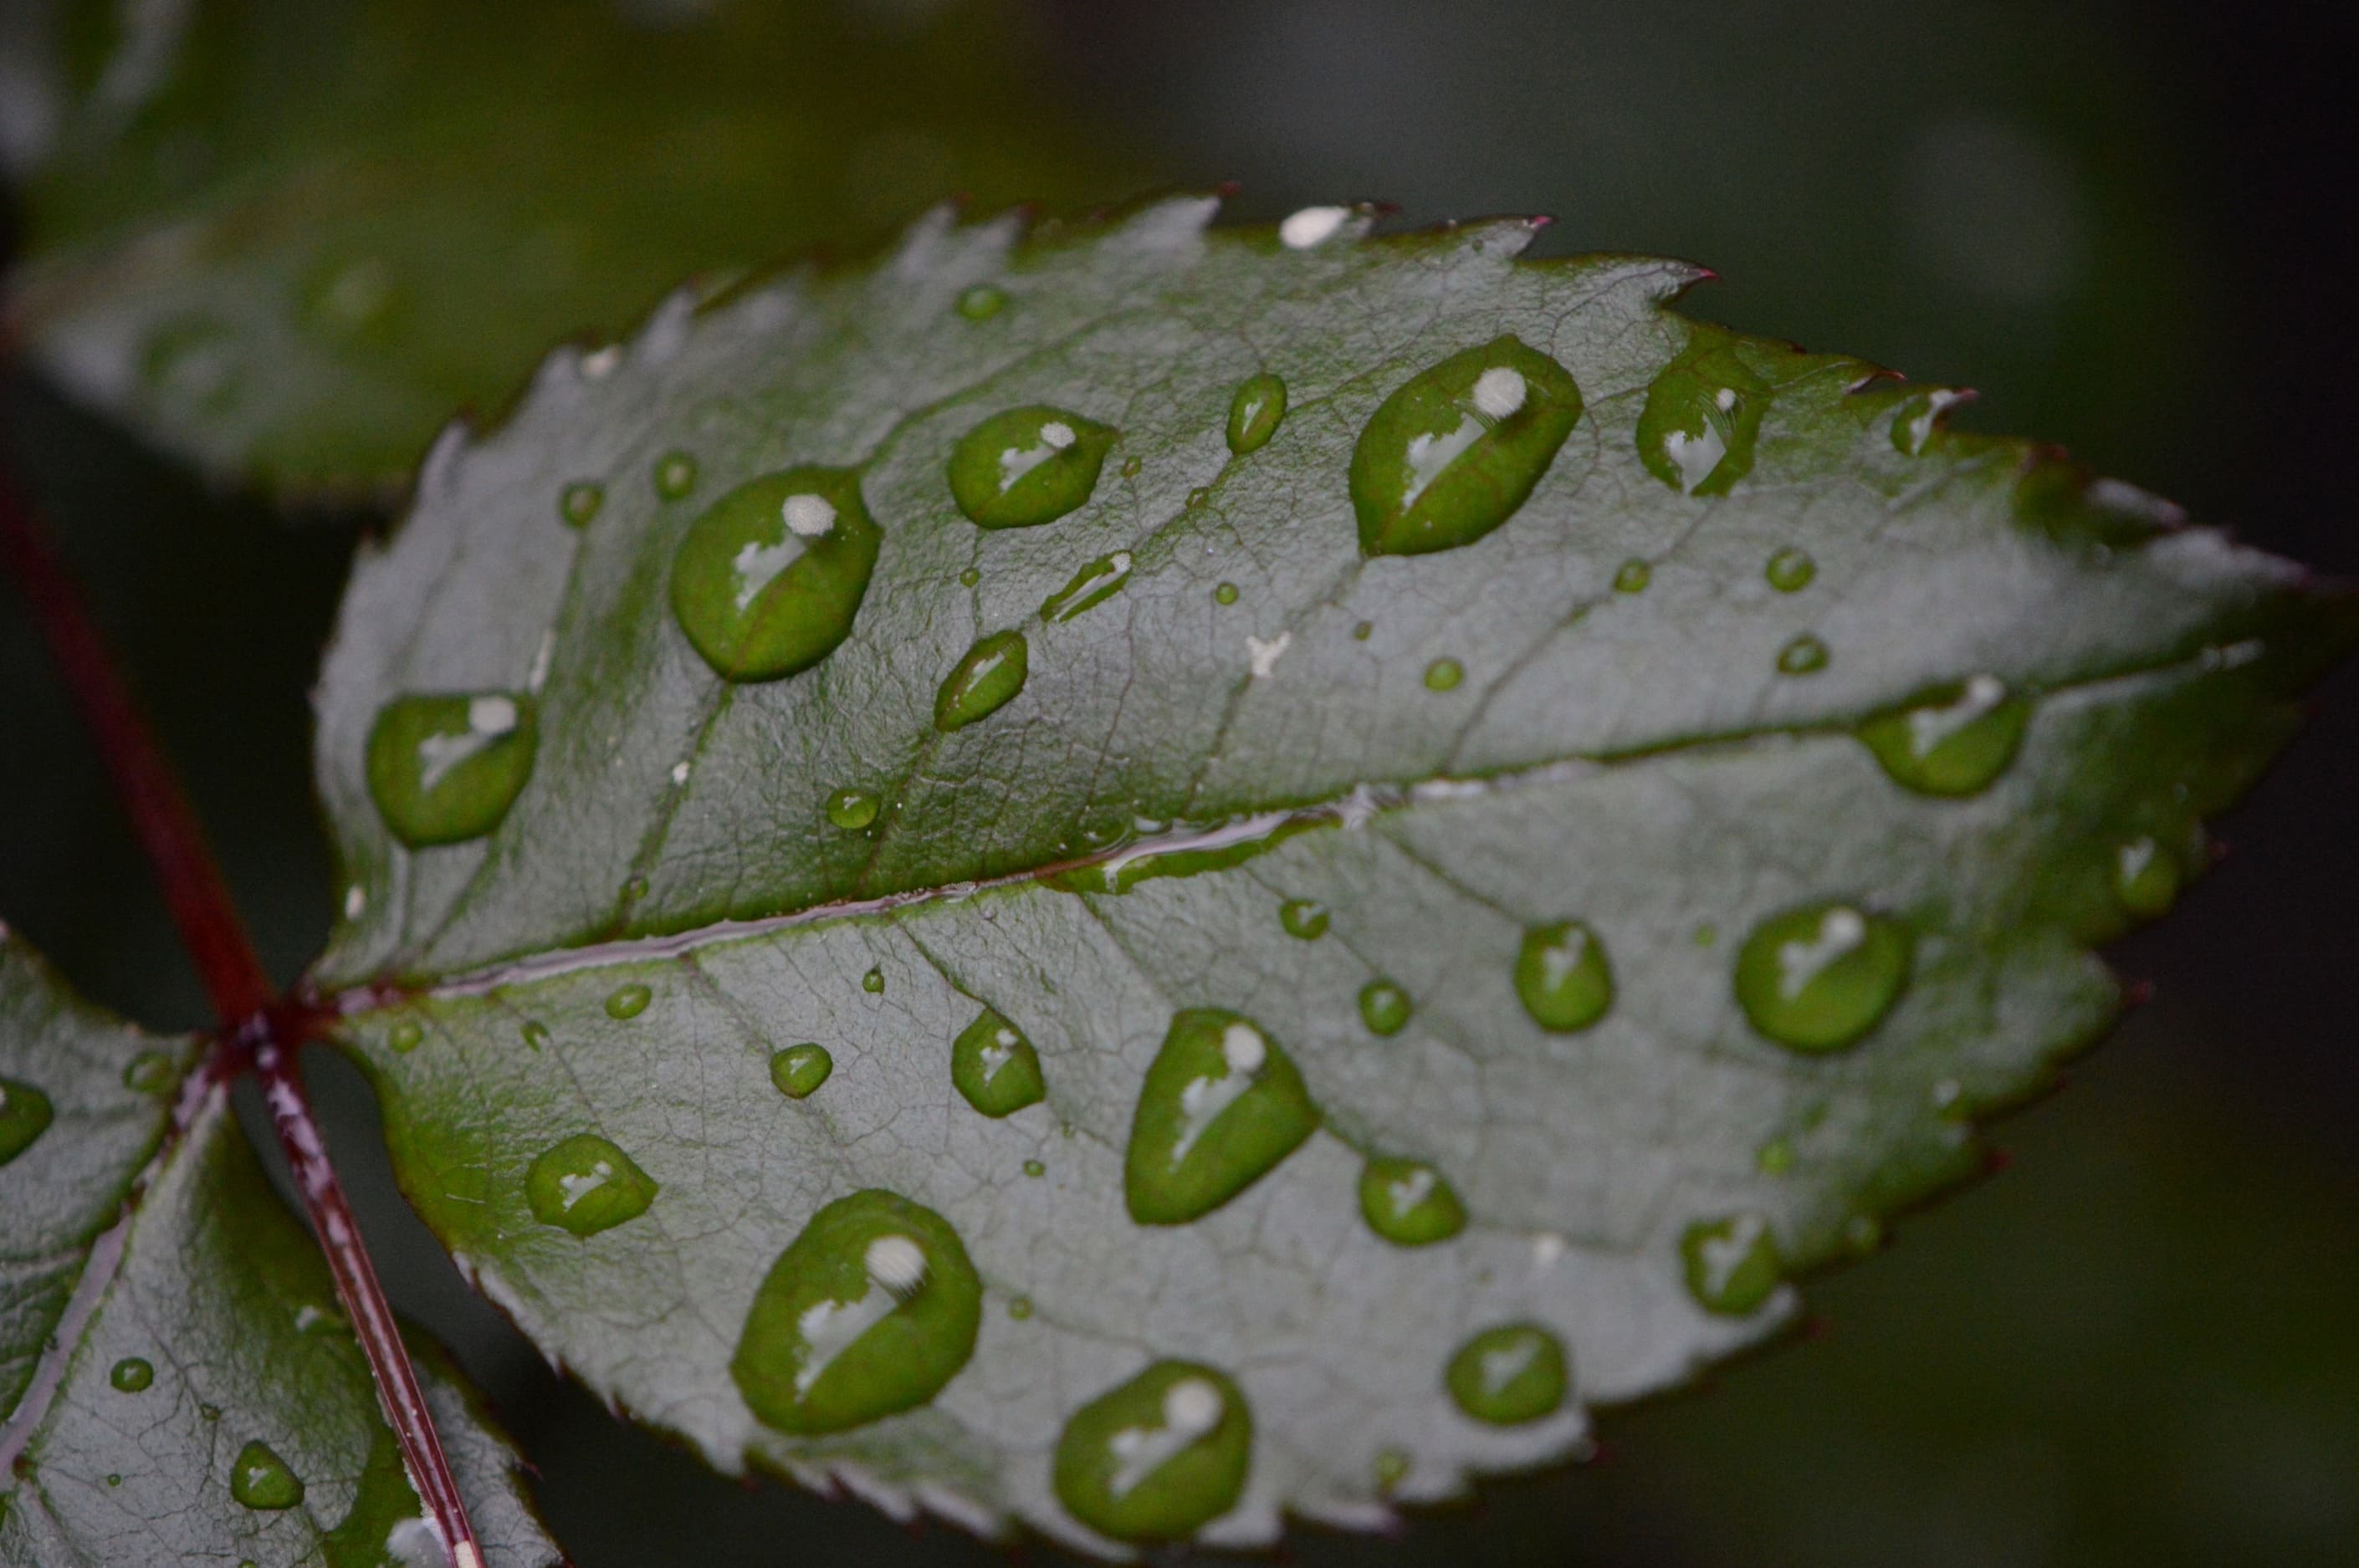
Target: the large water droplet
(1458, 447)
(1384, 1007)
(852, 809)
(1091, 587)
(1408, 1204)
(983, 682)
(1158, 1456)
(445, 769)
(1028, 466)
(260, 1480)
(1510, 1375)
(2146, 877)
(1703, 416)
(868, 1313)
(799, 1070)
(1817, 978)
(1303, 917)
(1732, 1264)
(995, 1067)
(586, 1184)
(1220, 1107)
(1255, 412)
(1956, 742)
(767, 580)
(1562, 977)
(132, 1375)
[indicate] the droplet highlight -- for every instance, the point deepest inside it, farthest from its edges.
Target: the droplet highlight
(1702, 417)
(1510, 1375)
(1221, 1105)
(984, 682)
(1255, 412)
(1028, 466)
(445, 769)
(1819, 977)
(994, 1067)
(1562, 977)
(1956, 742)
(1731, 1265)
(1408, 1204)
(1089, 588)
(799, 1070)
(586, 1184)
(1457, 448)
(768, 581)
(1157, 1457)
(262, 1480)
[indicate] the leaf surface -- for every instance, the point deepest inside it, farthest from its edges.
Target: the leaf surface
(1657, 786)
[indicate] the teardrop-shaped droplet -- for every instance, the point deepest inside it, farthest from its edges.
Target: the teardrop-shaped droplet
(578, 502)
(628, 1001)
(982, 302)
(1220, 1107)
(260, 1480)
(1702, 417)
(1562, 977)
(1732, 1264)
(1510, 1375)
(1954, 743)
(1255, 412)
(1303, 917)
(1384, 1007)
(132, 1375)
(2146, 877)
(995, 1067)
(868, 1313)
(675, 474)
(799, 1070)
(1804, 656)
(446, 769)
(983, 682)
(1408, 1204)
(1091, 587)
(1790, 570)
(1817, 978)
(852, 809)
(1157, 1457)
(1028, 466)
(1458, 447)
(586, 1184)
(766, 582)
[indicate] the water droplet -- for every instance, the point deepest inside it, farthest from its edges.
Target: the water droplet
(984, 682)
(1384, 1007)
(114, 1479)
(211, 1413)
(577, 502)
(1633, 576)
(1393, 1466)
(1199, 498)
(1817, 978)
(868, 1313)
(995, 1067)
(260, 1480)
(970, 577)
(445, 769)
(1255, 412)
(1408, 1204)
(2146, 877)
(1220, 1107)
(982, 302)
(675, 474)
(1361, 632)
(1804, 655)
(1562, 977)
(1035, 1168)
(150, 1072)
(132, 1375)
(852, 809)
(1444, 674)
(1158, 1456)
(1130, 467)
(628, 1001)
(1458, 447)
(1028, 466)
(536, 1033)
(635, 888)
(1510, 1375)
(1776, 1158)
(1226, 593)
(873, 982)
(1917, 421)
(1703, 416)
(1790, 570)
(1956, 742)
(586, 1184)
(1732, 1264)
(766, 582)
(1090, 587)
(1303, 917)
(1705, 935)
(25, 1114)
(799, 1070)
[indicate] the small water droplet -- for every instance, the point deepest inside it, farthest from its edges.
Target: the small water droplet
(1226, 593)
(2146, 877)
(1393, 1466)
(1562, 977)
(536, 1033)
(873, 982)
(1384, 1007)
(114, 1479)
(852, 809)
(1408, 1204)
(577, 502)
(1035, 1168)
(969, 578)
(1790, 570)
(1220, 1107)
(1956, 742)
(675, 474)
(1361, 632)
(982, 302)
(1732, 1264)
(260, 1480)
(1303, 917)
(1130, 467)
(1804, 655)
(1199, 498)
(1028, 466)
(1158, 1456)
(1444, 674)
(983, 682)
(767, 580)
(1459, 446)
(628, 1001)
(445, 769)
(635, 888)
(1633, 576)
(1510, 1375)
(1089, 588)
(994, 1067)
(586, 1184)
(1255, 412)
(1702, 417)
(868, 1313)
(1776, 1158)
(799, 1070)
(1817, 978)
(1705, 935)
(150, 1072)
(132, 1375)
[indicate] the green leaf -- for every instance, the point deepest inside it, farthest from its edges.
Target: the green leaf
(1445, 949)
(286, 240)
(181, 1386)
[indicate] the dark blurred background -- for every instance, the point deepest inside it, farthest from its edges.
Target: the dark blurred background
(2135, 228)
